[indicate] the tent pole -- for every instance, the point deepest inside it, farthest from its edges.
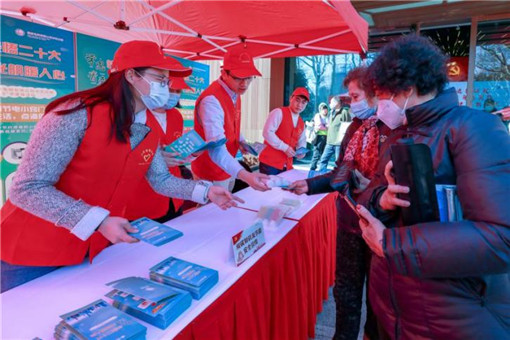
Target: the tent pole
(91, 11)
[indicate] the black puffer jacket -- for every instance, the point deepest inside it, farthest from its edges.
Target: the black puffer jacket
(449, 280)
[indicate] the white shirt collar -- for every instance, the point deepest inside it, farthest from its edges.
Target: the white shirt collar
(231, 93)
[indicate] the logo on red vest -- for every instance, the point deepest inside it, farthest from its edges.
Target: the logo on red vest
(147, 155)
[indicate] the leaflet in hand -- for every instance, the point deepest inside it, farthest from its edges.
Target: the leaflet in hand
(190, 143)
(276, 181)
(301, 151)
(153, 232)
(191, 277)
(98, 320)
(150, 301)
(254, 148)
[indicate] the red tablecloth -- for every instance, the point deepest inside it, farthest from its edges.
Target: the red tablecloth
(280, 296)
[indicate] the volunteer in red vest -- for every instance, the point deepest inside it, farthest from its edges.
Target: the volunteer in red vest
(168, 123)
(284, 133)
(218, 115)
(85, 157)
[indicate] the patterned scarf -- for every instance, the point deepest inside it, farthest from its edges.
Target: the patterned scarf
(363, 148)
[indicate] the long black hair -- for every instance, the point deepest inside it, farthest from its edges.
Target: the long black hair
(116, 91)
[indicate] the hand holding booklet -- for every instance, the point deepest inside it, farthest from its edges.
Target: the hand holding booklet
(252, 148)
(301, 151)
(153, 232)
(191, 143)
(277, 181)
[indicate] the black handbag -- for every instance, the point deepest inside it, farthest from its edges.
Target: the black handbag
(412, 167)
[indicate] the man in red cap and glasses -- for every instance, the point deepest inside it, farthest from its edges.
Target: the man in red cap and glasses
(218, 115)
(284, 133)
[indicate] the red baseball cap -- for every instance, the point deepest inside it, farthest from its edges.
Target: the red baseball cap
(301, 91)
(142, 53)
(239, 63)
(178, 83)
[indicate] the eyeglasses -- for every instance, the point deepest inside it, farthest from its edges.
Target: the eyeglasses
(163, 81)
(240, 80)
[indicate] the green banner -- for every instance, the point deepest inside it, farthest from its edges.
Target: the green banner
(198, 81)
(37, 66)
(93, 58)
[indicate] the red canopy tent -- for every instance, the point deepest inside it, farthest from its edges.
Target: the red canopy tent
(204, 29)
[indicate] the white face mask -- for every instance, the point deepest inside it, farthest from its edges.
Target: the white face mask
(158, 95)
(390, 113)
(173, 99)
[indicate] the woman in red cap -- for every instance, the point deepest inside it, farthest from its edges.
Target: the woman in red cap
(84, 161)
(167, 121)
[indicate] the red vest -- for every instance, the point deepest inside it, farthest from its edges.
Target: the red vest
(145, 201)
(203, 167)
(289, 135)
(103, 172)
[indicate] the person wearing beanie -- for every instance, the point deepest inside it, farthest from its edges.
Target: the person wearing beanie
(321, 125)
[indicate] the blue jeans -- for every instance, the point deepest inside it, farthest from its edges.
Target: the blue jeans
(14, 275)
(269, 170)
(326, 155)
(318, 147)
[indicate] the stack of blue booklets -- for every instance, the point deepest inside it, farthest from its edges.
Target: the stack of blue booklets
(152, 302)
(190, 143)
(153, 232)
(98, 320)
(191, 277)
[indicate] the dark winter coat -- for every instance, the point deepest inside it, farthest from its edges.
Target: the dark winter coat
(449, 280)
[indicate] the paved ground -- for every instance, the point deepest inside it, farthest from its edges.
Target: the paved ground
(325, 327)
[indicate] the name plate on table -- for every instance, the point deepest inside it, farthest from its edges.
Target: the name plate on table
(247, 242)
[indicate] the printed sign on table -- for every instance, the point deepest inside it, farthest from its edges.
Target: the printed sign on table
(247, 242)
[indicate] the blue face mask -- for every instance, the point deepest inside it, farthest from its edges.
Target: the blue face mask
(362, 110)
(157, 97)
(172, 100)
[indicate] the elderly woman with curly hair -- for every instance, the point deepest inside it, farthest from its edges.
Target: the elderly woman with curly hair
(438, 280)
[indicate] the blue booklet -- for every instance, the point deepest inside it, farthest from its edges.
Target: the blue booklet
(190, 143)
(99, 320)
(255, 148)
(301, 151)
(448, 203)
(189, 276)
(153, 302)
(153, 232)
